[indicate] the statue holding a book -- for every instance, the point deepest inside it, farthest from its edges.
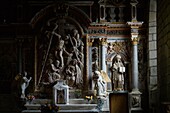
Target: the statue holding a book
(118, 70)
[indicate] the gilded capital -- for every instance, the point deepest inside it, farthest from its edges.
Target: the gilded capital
(103, 41)
(135, 40)
(90, 42)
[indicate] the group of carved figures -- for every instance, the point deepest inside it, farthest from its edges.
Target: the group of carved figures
(65, 62)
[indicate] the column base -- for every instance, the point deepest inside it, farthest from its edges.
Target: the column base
(136, 110)
(135, 101)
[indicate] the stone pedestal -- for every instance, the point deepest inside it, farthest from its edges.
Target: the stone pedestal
(61, 93)
(135, 101)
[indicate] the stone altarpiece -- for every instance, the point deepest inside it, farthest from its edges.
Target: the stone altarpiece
(102, 36)
(70, 47)
(60, 48)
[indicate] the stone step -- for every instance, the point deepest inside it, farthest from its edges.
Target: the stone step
(64, 111)
(64, 106)
(71, 101)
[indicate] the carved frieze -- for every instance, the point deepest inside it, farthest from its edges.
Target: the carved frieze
(118, 32)
(109, 30)
(97, 31)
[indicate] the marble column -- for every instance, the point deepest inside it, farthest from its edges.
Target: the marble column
(135, 63)
(89, 62)
(135, 95)
(103, 54)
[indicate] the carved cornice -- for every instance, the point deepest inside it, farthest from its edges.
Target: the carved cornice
(135, 31)
(135, 24)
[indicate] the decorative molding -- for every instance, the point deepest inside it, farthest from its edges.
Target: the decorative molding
(108, 30)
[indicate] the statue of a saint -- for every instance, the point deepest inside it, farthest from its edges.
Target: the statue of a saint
(118, 69)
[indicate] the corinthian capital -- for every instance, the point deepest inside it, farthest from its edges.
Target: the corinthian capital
(103, 41)
(134, 38)
(90, 42)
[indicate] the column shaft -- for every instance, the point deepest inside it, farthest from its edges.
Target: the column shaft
(103, 55)
(135, 67)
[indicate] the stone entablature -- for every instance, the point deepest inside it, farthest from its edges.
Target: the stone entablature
(111, 30)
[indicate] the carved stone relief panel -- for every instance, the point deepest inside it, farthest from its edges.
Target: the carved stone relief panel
(60, 53)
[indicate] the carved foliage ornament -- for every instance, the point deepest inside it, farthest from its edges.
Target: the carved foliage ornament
(121, 48)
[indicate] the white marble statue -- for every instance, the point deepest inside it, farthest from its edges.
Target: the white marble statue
(118, 69)
(100, 85)
(24, 84)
